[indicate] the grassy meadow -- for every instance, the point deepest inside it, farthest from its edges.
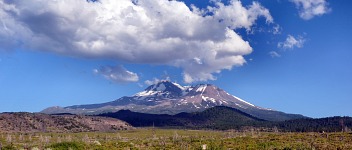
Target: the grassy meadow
(149, 138)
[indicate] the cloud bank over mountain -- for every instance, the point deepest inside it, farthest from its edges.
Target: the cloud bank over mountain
(199, 41)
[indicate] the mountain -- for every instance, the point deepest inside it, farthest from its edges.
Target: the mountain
(167, 97)
(38, 122)
(219, 117)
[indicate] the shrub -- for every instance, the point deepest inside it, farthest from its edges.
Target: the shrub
(67, 145)
(9, 147)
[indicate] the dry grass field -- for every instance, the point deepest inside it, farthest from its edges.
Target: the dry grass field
(149, 138)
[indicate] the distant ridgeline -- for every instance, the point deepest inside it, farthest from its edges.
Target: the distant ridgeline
(215, 118)
(225, 118)
(330, 124)
(37, 122)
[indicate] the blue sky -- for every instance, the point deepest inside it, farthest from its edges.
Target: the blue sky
(289, 55)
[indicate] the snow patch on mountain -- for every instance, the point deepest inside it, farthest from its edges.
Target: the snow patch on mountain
(243, 101)
(201, 88)
(209, 98)
(146, 93)
(195, 105)
(179, 86)
(186, 90)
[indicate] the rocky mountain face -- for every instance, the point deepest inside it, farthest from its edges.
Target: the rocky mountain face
(37, 122)
(167, 97)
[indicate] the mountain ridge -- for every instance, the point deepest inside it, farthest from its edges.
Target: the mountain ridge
(219, 118)
(166, 97)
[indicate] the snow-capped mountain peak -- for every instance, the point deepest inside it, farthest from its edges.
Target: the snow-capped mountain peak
(163, 88)
(171, 98)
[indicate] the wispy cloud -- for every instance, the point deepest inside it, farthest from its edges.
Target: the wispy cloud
(274, 54)
(311, 8)
(292, 42)
(151, 82)
(117, 74)
(145, 31)
(277, 29)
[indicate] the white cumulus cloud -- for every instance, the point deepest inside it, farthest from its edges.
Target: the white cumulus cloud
(310, 8)
(237, 16)
(160, 32)
(117, 74)
(292, 42)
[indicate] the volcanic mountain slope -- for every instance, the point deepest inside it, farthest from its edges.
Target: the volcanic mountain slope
(37, 122)
(167, 97)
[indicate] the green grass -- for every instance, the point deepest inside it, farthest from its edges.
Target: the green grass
(148, 138)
